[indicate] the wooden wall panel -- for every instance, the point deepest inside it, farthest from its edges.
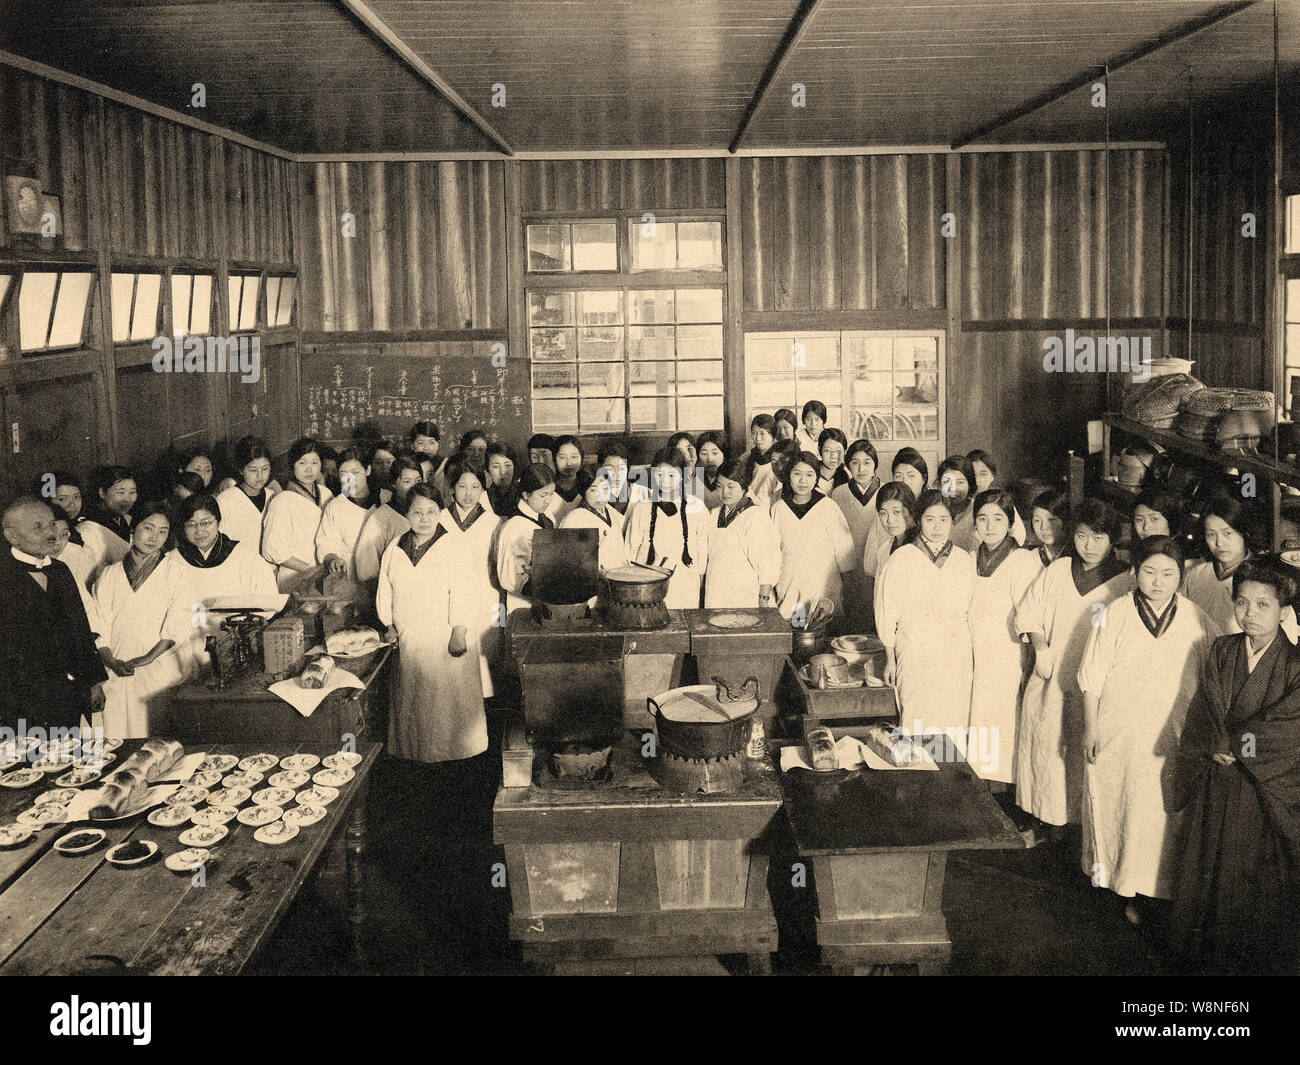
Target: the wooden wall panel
(429, 249)
(843, 233)
(622, 184)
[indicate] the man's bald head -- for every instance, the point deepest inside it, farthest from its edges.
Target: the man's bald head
(28, 524)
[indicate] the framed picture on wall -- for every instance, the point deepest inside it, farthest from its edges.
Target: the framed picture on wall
(50, 205)
(23, 200)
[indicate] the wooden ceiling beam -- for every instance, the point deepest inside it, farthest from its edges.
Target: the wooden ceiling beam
(798, 23)
(376, 25)
(1181, 33)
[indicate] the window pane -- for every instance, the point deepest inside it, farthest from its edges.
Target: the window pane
(874, 423)
(555, 380)
(770, 393)
(70, 311)
(552, 414)
(234, 282)
(699, 245)
(1293, 343)
(699, 341)
(873, 390)
(201, 315)
(182, 284)
(4, 287)
(653, 342)
(1293, 299)
(916, 353)
(916, 388)
(654, 245)
(821, 353)
(595, 246)
(867, 353)
(272, 300)
(657, 413)
(35, 296)
(144, 316)
(699, 305)
(600, 414)
(769, 354)
(601, 379)
(548, 248)
(123, 287)
(602, 307)
(698, 413)
(601, 345)
(288, 286)
(651, 305)
(1292, 225)
(699, 378)
(550, 308)
(653, 378)
(248, 302)
(553, 345)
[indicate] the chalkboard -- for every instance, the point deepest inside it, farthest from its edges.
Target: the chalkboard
(388, 386)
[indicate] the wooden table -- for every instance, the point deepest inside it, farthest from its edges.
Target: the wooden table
(638, 879)
(880, 841)
(70, 914)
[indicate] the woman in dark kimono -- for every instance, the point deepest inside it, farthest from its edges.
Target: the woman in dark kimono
(1237, 891)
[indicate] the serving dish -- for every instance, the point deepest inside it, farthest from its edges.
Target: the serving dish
(80, 840)
(124, 854)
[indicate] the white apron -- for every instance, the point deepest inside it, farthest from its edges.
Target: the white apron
(743, 557)
(815, 550)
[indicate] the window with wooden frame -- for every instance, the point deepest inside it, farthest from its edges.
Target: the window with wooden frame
(136, 304)
(639, 346)
(191, 303)
(279, 300)
(53, 305)
(243, 290)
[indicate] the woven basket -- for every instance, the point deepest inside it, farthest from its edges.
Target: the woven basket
(1156, 401)
(1196, 426)
(1212, 401)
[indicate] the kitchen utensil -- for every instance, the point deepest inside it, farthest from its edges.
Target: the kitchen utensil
(682, 727)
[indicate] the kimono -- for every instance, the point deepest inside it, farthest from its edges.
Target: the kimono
(764, 487)
(382, 525)
(684, 584)
(1002, 577)
(965, 536)
(341, 522)
(106, 541)
(241, 517)
(78, 558)
(1212, 592)
(859, 510)
(710, 493)
(744, 555)
(229, 570)
(437, 710)
(1237, 888)
(816, 547)
(514, 553)
(289, 530)
(161, 607)
(468, 547)
(921, 612)
(1062, 605)
(1145, 683)
(613, 547)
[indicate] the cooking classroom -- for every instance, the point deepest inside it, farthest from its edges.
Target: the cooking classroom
(611, 487)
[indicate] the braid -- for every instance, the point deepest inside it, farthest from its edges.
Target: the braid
(686, 548)
(654, 513)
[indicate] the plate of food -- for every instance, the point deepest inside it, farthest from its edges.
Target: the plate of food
(188, 860)
(187, 796)
(218, 763)
(76, 778)
(93, 761)
(21, 778)
(50, 766)
(257, 816)
(131, 853)
(80, 841)
(317, 795)
(15, 835)
(203, 835)
(62, 796)
(273, 796)
(303, 815)
(342, 760)
(300, 763)
(46, 813)
(258, 763)
(333, 778)
(214, 815)
(112, 743)
(289, 778)
(170, 816)
(228, 797)
(275, 833)
(242, 778)
(206, 778)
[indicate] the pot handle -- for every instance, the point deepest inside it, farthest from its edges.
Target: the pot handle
(727, 695)
(652, 708)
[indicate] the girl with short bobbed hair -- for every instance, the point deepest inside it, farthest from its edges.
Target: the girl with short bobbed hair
(744, 548)
(832, 445)
(816, 545)
(1050, 518)
(956, 479)
(786, 425)
(243, 504)
(515, 542)
(106, 528)
(813, 416)
(856, 498)
(711, 453)
(672, 531)
(1057, 614)
(292, 517)
(568, 461)
(596, 510)
(762, 435)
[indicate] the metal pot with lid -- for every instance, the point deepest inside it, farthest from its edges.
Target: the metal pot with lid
(637, 584)
(704, 721)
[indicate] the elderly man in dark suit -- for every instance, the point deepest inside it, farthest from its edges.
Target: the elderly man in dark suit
(50, 672)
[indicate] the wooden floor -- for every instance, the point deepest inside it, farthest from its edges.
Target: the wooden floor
(430, 905)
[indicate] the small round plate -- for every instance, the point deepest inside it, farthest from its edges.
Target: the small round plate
(171, 816)
(188, 796)
(51, 766)
(62, 796)
(93, 761)
(257, 816)
(1291, 558)
(242, 778)
(289, 778)
(303, 815)
(80, 841)
(214, 815)
(317, 795)
(208, 778)
(31, 743)
(8, 763)
(76, 778)
(15, 835)
(300, 762)
(112, 743)
(273, 796)
(127, 863)
(188, 860)
(47, 813)
(737, 620)
(342, 760)
(220, 763)
(258, 763)
(203, 835)
(228, 797)
(21, 778)
(333, 778)
(275, 833)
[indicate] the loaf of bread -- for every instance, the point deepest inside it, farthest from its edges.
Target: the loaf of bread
(896, 748)
(119, 792)
(154, 758)
(352, 642)
(317, 673)
(821, 749)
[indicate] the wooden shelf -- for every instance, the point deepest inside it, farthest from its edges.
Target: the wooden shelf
(1258, 464)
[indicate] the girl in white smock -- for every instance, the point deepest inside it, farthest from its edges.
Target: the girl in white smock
(514, 550)
(595, 511)
(292, 517)
(671, 532)
(744, 549)
(857, 502)
(243, 505)
(471, 526)
(816, 545)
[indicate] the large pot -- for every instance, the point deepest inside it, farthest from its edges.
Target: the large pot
(723, 726)
(637, 585)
